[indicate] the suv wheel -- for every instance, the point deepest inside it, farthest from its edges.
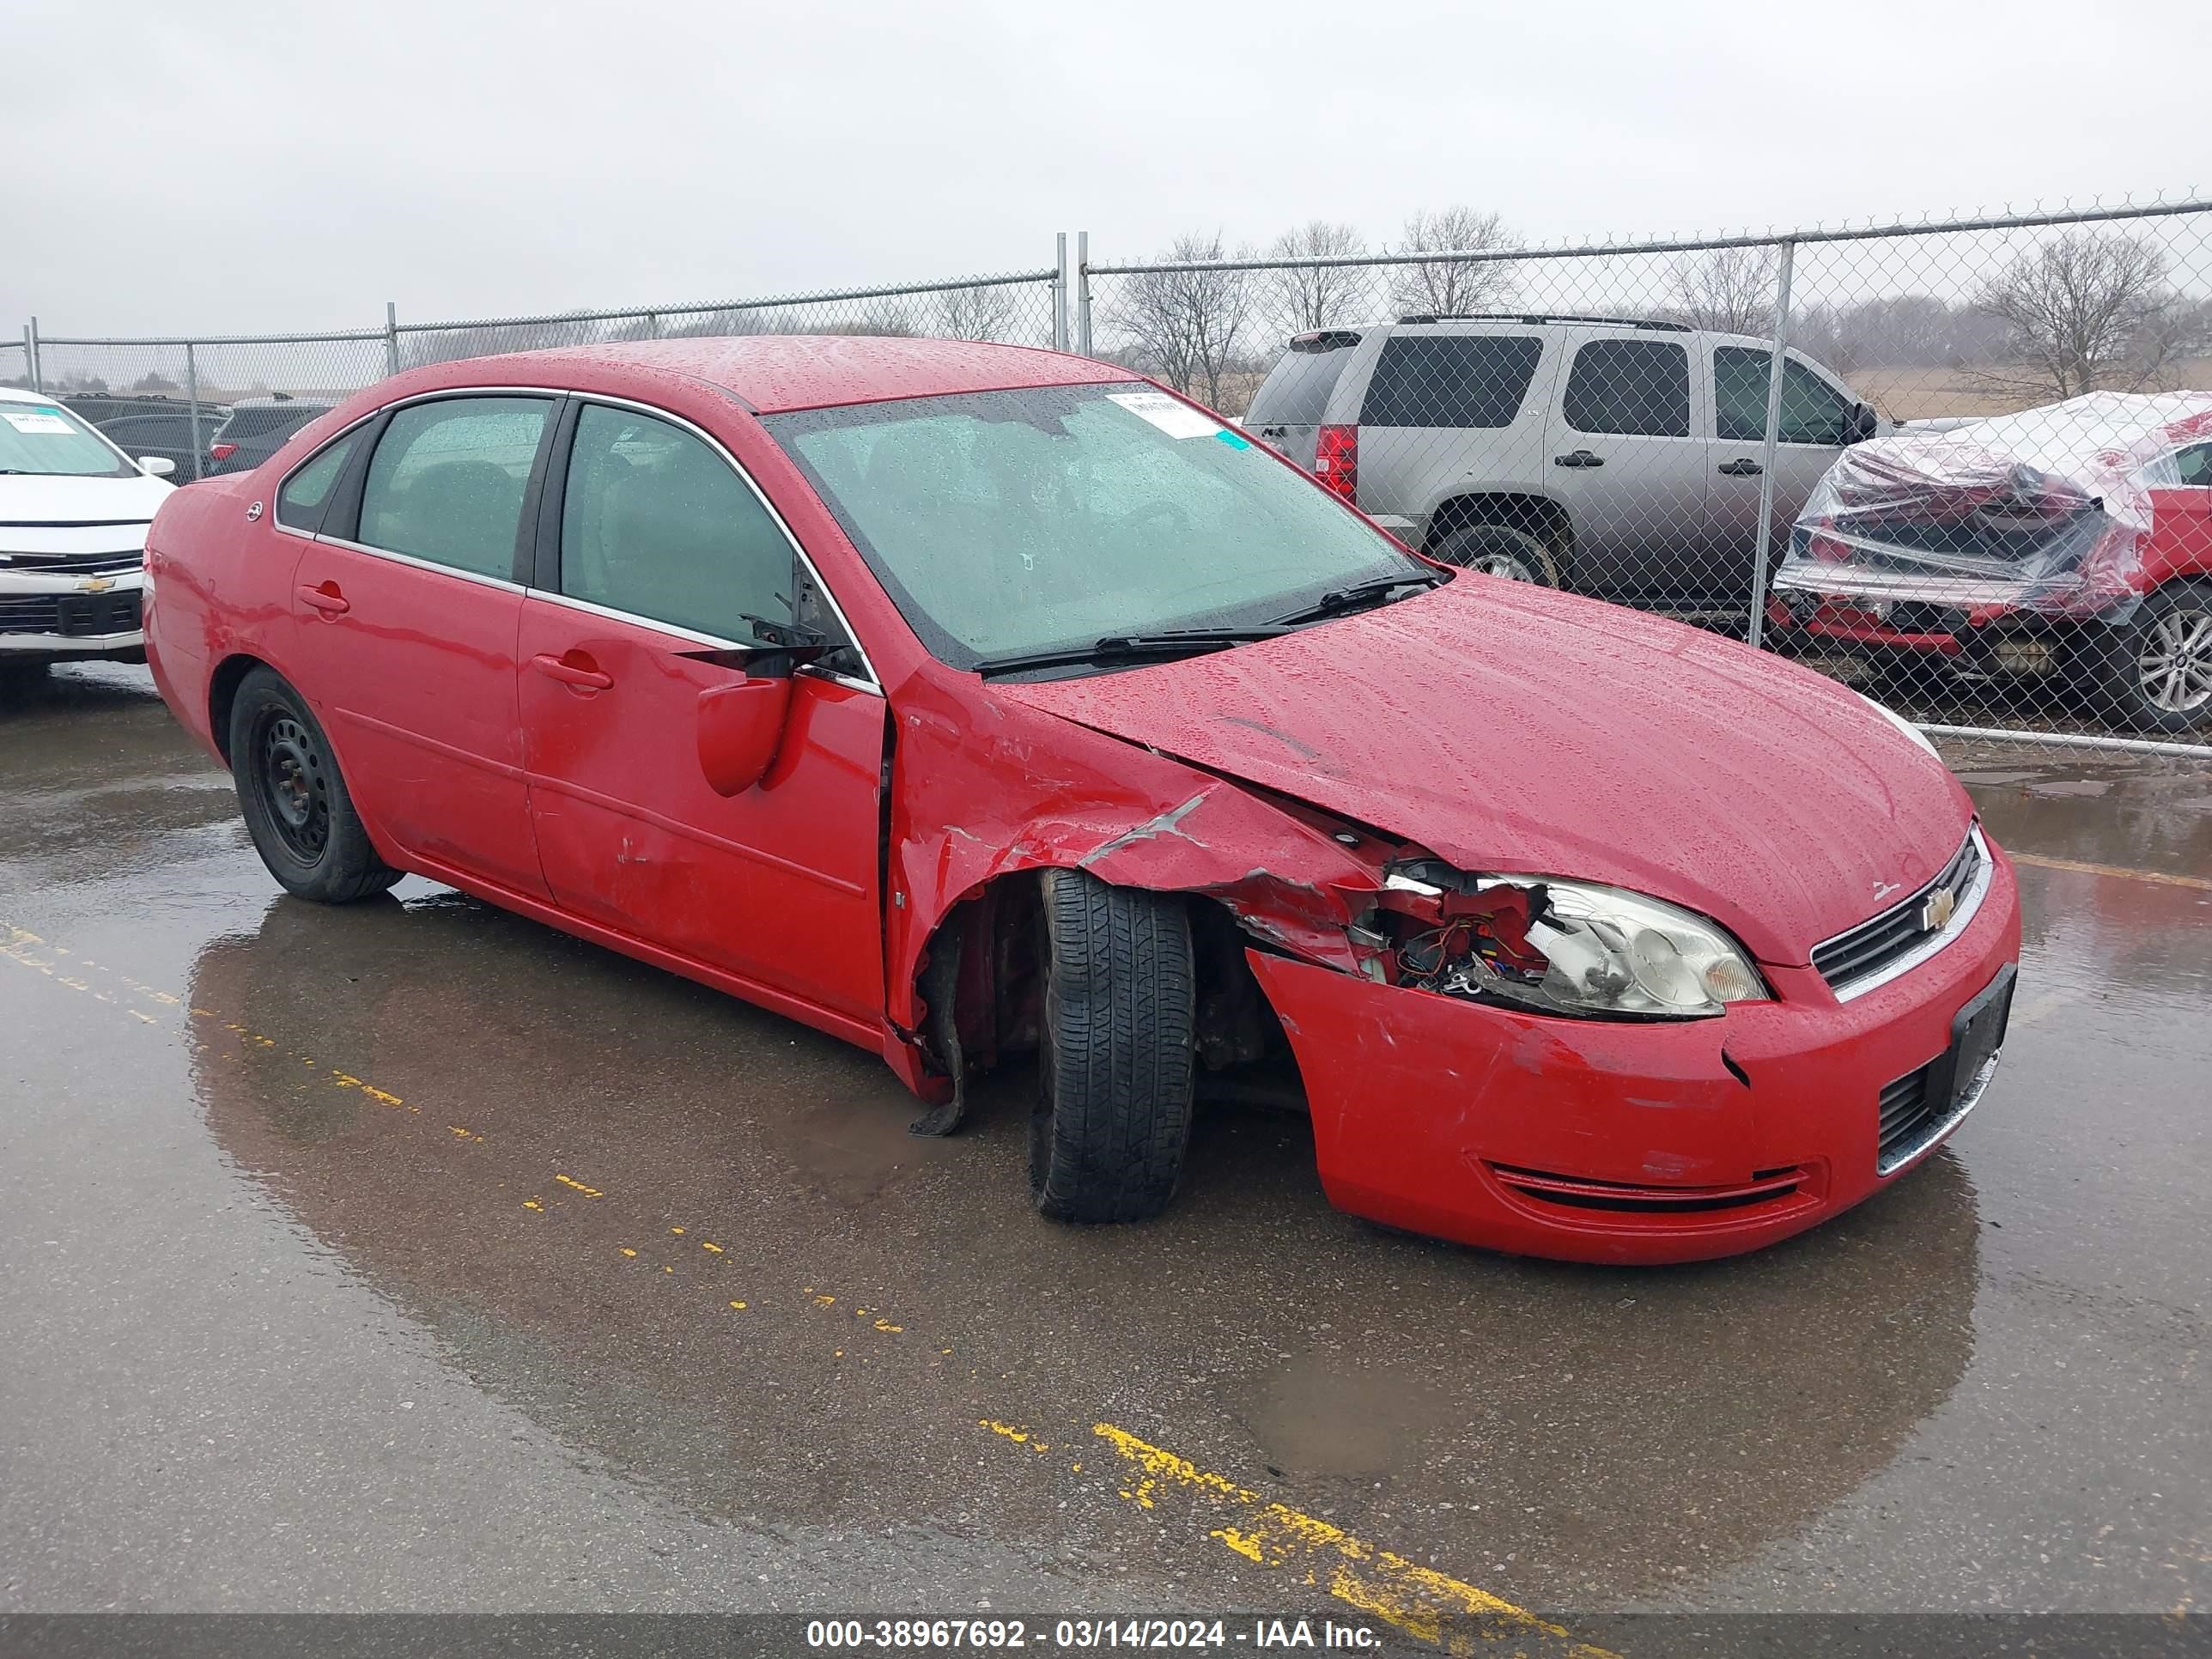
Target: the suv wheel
(1499, 549)
(2155, 673)
(1114, 1067)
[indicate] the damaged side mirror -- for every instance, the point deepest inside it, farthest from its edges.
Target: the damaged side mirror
(741, 724)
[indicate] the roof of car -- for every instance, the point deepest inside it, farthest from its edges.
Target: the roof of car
(776, 373)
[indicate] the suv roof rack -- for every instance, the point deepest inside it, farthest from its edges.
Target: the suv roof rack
(1542, 317)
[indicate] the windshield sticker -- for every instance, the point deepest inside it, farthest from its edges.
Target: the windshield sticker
(36, 420)
(1176, 419)
(1234, 440)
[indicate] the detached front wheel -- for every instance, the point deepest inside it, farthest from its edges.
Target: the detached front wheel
(1116, 1067)
(294, 799)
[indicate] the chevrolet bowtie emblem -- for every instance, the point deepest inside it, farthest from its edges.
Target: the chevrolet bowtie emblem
(96, 583)
(1937, 911)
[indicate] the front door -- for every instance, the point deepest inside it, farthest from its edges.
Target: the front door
(1816, 417)
(406, 609)
(1625, 456)
(670, 565)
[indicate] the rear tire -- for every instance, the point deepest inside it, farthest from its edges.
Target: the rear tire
(1114, 1067)
(1500, 550)
(294, 799)
(2154, 673)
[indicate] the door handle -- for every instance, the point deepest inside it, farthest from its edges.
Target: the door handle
(1580, 458)
(583, 674)
(326, 599)
(1740, 468)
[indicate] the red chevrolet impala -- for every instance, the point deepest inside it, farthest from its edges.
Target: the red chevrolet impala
(968, 701)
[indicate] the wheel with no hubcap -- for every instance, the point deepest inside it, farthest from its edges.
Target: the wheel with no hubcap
(294, 799)
(1115, 1065)
(1499, 549)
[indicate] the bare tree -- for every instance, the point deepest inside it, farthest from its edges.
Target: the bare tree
(1318, 296)
(1730, 290)
(1448, 287)
(1186, 326)
(975, 313)
(2087, 311)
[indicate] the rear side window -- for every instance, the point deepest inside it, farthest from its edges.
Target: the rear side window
(1631, 387)
(1451, 379)
(1296, 392)
(301, 501)
(447, 480)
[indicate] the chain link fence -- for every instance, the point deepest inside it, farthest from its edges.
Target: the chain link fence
(1964, 466)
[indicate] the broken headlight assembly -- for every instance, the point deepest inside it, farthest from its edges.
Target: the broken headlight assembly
(1556, 947)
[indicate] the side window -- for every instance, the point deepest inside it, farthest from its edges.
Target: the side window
(657, 525)
(447, 480)
(2195, 465)
(300, 501)
(1630, 386)
(1448, 379)
(1813, 411)
(1739, 393)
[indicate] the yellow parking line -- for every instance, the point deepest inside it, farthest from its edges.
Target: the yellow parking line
(1426, 1605)
(2119, 872)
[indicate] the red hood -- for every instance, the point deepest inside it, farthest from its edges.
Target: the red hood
(1516, 730)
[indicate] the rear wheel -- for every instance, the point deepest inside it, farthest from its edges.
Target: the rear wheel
(2154, 674)
(1500, 550)
(1114, 1068)
(295, 800)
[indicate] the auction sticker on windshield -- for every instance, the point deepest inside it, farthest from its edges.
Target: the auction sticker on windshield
(1177, 419)
(36, 420)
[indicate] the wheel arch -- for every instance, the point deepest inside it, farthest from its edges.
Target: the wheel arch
(1530, 510)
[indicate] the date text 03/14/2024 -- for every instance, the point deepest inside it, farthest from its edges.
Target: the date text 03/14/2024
(1089, 1633)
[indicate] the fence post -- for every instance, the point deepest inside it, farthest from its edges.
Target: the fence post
(30, 360)
(1060, 296)
(192, 392)
(1759, 556)
(37, 369)
(1082, 293)
(652, 324)
(391, 337)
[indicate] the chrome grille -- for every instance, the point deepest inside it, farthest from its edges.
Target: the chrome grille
(1853, 958)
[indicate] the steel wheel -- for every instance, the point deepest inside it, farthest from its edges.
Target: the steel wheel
(294, 781)
(2173, 666)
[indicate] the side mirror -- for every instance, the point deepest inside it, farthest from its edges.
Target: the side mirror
(741, 725)
(1861, 423)
(156, 467)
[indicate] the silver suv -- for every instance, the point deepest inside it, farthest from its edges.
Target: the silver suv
(1613, 456)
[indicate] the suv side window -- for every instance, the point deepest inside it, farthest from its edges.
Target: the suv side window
(300, 501)
(1813, 411)
(1639, 387)
(655, 524)
(446, 482)
(1451, 379)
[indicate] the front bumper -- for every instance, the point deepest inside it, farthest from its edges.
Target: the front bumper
(1634, 1143)
(56, 616)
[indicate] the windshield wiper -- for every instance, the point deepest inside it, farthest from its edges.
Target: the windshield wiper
(1132, 648)
(1340, 600)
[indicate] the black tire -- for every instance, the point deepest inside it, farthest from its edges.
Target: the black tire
(295, 800)
(1114, 1067)
(2154, 672)
(1500, 550)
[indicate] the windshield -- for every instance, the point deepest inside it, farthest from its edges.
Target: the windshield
(47, 440)
(1007, 522)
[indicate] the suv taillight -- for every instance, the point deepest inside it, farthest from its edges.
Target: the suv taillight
(1336, 460)
(222, 452)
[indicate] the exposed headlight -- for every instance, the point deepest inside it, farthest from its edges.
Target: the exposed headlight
(1900, 723)
(1562, 947)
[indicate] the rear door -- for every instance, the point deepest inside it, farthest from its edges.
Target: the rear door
(2180, 543)
(1815, 420)
(1449, 411)
(406, 608)
(1628, 458)
(659, 564)
(1287, 410)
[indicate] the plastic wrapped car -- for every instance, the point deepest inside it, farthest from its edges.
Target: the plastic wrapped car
(2074, 538)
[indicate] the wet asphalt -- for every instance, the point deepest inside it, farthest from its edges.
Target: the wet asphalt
(416, 1257)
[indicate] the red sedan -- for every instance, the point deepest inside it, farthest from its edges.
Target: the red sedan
(966, 702)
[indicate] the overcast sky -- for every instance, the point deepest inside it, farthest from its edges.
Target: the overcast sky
(237, 167)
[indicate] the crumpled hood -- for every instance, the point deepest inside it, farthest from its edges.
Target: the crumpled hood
(1516, 730)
